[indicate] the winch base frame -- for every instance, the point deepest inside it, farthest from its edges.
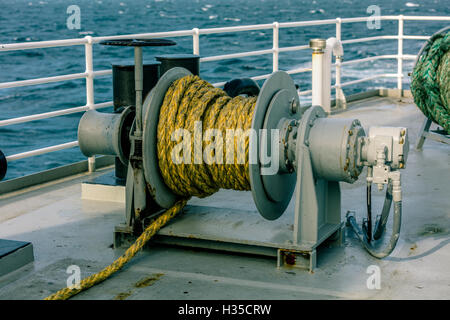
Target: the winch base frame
(239, 231)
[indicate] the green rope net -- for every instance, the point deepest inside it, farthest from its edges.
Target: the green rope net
(430, 83)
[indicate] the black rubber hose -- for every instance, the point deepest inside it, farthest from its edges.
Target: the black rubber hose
(369, 212)
(382, 219)
(374, 250)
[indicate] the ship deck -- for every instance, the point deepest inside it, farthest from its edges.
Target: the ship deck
(67, 230)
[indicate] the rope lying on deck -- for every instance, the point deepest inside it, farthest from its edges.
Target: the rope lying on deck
(187, 101)
(148, 233)
(430, 83)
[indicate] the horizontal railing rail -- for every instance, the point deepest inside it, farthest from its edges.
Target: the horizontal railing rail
(195, 33)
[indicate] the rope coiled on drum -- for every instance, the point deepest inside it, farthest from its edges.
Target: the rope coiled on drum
(188, 102)
(430, 84)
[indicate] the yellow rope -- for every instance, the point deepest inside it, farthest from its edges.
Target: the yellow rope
(149, 232)
(188, 100)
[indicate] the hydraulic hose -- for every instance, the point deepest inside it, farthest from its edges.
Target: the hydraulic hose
(373, 248)
(382, 219)
(368, 229)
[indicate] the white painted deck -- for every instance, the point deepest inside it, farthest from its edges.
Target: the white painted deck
(66, 230)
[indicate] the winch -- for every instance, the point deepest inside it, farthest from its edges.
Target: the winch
(306, 148)
(174, 150)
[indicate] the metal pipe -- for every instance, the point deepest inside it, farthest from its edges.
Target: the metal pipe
(89, 87)
(375, 38)
(32, 82)
(139, 80)
(293, 48)
(400, 54)
(318, 46)
(45, 150)
(299, 70)
(382, 75)
(385, 56)
(66, 77)
(237, 55)
(196, 41)
(339, 93)
(51, 114)
(275, 47)
(333, 47)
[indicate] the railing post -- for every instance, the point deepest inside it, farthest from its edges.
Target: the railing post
(339, 94)
(196, 41)
(276, 27)
(400, 55)
(89, 88)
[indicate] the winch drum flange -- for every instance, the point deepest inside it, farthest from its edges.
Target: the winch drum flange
(277, 102)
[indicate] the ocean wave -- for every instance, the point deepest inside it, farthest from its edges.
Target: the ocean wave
(206, 7)
(10, 96)
(232, 19)
(165, 15)
(410, 4)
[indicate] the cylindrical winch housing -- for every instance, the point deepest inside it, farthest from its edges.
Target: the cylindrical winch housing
(106, 133)
(334, 147)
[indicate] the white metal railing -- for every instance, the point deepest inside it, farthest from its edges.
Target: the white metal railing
(195, 33)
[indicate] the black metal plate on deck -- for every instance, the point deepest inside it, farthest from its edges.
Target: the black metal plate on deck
(139, 42)
(14, 255)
